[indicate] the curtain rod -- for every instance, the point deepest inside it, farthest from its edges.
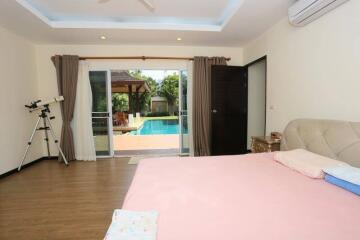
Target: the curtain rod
(141, 58)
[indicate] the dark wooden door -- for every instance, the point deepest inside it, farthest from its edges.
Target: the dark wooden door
(229, 103)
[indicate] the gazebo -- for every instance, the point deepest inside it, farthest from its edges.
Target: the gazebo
(123, 82)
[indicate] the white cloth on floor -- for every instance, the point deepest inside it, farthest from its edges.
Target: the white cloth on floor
(133, 225)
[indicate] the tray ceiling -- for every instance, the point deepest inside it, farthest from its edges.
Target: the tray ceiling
(129, 22)
(199, 15)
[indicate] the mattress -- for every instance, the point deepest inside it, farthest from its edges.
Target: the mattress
(241, 197)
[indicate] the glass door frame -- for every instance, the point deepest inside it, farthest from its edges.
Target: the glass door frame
(181, 115)
(109, 111)
(109, 105)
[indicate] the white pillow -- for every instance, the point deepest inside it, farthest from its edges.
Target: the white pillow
(307, 163)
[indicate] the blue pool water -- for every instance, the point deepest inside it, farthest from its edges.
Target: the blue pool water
(158, 127)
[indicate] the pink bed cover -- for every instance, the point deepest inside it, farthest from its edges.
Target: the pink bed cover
(241, 197)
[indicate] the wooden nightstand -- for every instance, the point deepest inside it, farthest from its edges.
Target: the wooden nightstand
(265, 144)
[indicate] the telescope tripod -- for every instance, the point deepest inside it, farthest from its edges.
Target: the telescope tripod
(47, 127)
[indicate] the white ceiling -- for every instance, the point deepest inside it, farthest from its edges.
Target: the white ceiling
(62, 9)
(203, 15)
(199, 22)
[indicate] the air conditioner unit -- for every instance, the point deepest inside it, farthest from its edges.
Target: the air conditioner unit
(306, 11)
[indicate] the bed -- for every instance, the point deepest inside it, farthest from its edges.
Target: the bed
(251, 196)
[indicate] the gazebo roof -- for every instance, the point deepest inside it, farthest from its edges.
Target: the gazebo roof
(122, 82)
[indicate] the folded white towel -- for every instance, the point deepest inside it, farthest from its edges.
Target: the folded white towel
(346, 173)
(307, 163)
(133, 225)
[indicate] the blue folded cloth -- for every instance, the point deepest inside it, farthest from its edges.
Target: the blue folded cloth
(354, 188)
(346, 173)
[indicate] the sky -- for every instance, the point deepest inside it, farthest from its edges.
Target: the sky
(158, 75)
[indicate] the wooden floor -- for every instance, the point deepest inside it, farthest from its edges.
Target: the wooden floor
(51, 201)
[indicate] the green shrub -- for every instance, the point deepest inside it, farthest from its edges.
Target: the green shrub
(157, 114)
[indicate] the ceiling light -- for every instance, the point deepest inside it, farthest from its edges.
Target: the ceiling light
(103, 38)
(179, 39)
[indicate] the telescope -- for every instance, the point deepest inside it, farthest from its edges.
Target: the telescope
(35, 105)
(44, 108)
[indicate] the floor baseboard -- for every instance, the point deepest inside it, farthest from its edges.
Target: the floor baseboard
(27, 165)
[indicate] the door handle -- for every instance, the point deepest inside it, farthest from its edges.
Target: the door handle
(214, 111)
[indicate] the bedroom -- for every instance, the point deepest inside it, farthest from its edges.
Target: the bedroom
(311, 73)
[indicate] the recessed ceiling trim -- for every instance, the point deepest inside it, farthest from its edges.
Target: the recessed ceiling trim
(34, 11)
(134, 25)
(214, 26)
(230, 11)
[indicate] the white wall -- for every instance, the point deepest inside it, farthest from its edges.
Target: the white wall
(313, 72)
(18, 87)
(256, 100)
(46, 72)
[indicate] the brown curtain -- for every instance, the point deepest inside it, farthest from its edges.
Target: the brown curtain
(201, 103)
(67, 68)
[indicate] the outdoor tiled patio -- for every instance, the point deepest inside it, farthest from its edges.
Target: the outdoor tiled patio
(146, 142)
(138, 142)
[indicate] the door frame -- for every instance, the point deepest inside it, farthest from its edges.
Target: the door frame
(264, 58)
(109, 103)
(181, 146)
(109, 109)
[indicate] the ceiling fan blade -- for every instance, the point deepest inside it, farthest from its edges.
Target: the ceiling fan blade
(103, 1)
(149, 5)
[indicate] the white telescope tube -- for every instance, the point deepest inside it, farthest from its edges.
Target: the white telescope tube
(50, 101)
(38, 104)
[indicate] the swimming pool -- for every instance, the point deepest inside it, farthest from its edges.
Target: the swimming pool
(158, 127)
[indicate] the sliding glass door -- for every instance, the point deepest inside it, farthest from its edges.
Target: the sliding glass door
(183, 113)
(101, 112)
